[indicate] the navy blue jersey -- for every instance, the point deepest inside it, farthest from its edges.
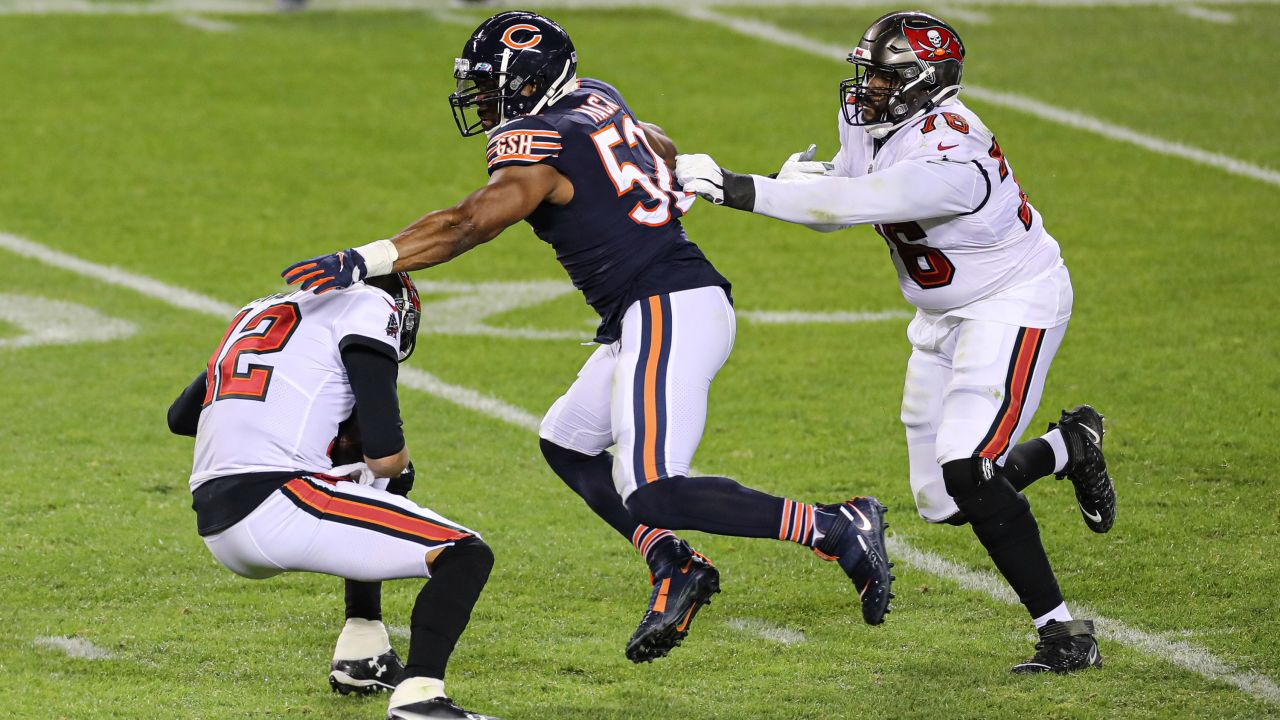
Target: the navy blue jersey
(620, 238)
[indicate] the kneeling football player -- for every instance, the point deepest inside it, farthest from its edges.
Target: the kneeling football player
(264, 413)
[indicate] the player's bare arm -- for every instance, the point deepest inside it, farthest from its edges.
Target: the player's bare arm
(511, 195)
(661, 144)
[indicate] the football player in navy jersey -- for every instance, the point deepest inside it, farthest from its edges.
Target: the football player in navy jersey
(567, 155)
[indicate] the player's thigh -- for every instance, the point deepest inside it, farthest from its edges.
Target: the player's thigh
(928, 374)
(672, 347)
(580, 418)
(998, 378)
(344, 529)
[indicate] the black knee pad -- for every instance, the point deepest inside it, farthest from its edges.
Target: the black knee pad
(981, 491)
(470, 551)
(651, 503)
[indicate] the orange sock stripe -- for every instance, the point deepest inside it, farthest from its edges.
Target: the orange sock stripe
(784, 528)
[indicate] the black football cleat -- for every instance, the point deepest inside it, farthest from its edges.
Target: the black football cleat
(1082, 429)
(366, 676)
(680, 589)
(1063, 648)
(855, 539)
(437, 708)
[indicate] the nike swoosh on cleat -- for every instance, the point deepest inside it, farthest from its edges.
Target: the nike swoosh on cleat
(865, 523)
(1096, 517)
(1097, 439)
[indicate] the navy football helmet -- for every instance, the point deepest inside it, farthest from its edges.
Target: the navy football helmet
(907, 63)
(516, 63)
(408, 308)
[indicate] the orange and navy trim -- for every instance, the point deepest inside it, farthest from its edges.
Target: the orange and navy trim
(311, 496)
(522, 147)
(1022, 368)
(645, 538)
(649, 405)
(797, 522)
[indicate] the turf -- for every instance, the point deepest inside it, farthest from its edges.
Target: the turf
(210, 160)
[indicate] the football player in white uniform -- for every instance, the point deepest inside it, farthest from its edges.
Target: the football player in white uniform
(993, 298)
(266, 414)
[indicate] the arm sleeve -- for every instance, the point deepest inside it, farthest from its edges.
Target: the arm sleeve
(916, 190)
(372, 374)
(184, 413)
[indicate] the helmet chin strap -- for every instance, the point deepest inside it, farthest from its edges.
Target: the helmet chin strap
(882, 130)
(560, 87)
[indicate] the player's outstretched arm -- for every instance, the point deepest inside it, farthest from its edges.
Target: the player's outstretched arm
(661, 144)
(908, 191)
(437, 237)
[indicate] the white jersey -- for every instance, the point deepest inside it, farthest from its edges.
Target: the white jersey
(277, 386)
(964, 239)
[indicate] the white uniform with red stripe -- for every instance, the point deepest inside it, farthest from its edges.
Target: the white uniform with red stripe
(278, 390)
(277, 385)
(993, 296)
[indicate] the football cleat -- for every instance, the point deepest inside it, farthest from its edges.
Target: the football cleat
(855, 539)
(437, 708)
(1063, 648)
(366, 676)
(680, 589)
(1082, 430)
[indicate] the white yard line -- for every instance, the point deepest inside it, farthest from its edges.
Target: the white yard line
(208, 25)
(72, 646)
(1044, 111)
(266, 7)
(1182, 654)
(797, 317)
(1199, 13)
(767, 631)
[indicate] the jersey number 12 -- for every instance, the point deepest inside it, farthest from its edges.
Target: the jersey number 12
(266, 332)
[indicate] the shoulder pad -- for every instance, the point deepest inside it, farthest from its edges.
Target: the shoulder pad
(524, 141)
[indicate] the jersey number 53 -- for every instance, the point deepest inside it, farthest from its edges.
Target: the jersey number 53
(651, 186)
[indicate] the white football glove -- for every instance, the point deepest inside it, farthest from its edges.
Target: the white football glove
(700, 174)
(802, 166)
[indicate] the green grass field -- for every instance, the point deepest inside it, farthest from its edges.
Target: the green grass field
(209, 160)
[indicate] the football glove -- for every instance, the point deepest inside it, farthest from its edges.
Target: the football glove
(342, 269)
(700, 174)
(802, 166)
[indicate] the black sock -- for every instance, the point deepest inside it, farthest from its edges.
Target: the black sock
(591, 476)
(711, 504)
(1028, 462)
(364, 600)
(1001, 518)
(444, 605)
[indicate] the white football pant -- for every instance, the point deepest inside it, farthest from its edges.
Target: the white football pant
(972, 388)
(647, 392)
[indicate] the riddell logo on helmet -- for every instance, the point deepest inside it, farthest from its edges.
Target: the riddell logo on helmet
(531, 39)
(934, 44)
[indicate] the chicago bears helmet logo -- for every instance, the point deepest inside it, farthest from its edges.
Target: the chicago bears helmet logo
(934, 44)
(532, 35)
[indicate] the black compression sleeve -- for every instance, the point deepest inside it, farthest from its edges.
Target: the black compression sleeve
(372, 375)
(184, 413)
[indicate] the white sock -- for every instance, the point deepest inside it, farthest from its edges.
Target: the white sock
(362, 639)
(1059, 445)
(1060, 613)
(416, 689)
